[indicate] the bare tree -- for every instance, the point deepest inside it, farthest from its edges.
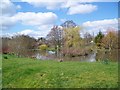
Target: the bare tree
(87, 38)
(55, 38)
(22, 44)
(110, 40)
(5, 46)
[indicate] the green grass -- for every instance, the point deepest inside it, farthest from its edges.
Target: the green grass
(31, 73)
(0, 71)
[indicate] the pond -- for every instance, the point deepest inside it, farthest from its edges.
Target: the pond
(89, 58)
(92, 57)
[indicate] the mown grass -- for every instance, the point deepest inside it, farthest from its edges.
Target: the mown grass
(32, 73)
(0, 71)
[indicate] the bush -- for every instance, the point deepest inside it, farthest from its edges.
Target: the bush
(5, 57)
(106, 61)
(43, 47)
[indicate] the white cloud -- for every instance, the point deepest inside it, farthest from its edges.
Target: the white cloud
(82, 9)
(18, 7)
(7, 11)
(105, 22)
(74, 7)
(69, 4)
(89, 26)
(36, 19)
(42, 21)
(100, 25)
(63, 20)
(28, 18)
(6, 22)
(57, 4)
(26, 32)
(32, 33)
(38, 1)
(48, 4)
(8, 8)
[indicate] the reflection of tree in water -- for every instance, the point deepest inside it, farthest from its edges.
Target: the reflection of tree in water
(107, 55)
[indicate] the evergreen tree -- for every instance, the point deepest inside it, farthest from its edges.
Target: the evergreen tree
(98, 38)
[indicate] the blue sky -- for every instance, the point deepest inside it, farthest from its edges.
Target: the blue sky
(36, 19)
(106, 10)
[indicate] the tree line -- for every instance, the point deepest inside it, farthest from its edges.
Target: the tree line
(64, 40)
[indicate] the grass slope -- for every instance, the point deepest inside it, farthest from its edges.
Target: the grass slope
(30, 73)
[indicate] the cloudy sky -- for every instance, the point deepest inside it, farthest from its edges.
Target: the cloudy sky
(36, 17)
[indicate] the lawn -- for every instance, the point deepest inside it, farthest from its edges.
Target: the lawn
(0, 71)
(32, 73)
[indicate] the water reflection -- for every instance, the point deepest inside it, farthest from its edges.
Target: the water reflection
(93, 57)
(51, 56)
(44, 57)
(89, 58)
(110, 55)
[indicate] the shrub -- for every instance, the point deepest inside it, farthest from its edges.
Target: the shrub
(43, 47)
(5, 57)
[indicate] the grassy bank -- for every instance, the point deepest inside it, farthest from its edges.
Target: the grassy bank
(31, 73)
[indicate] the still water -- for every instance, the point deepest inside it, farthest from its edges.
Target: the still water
(92, 57)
